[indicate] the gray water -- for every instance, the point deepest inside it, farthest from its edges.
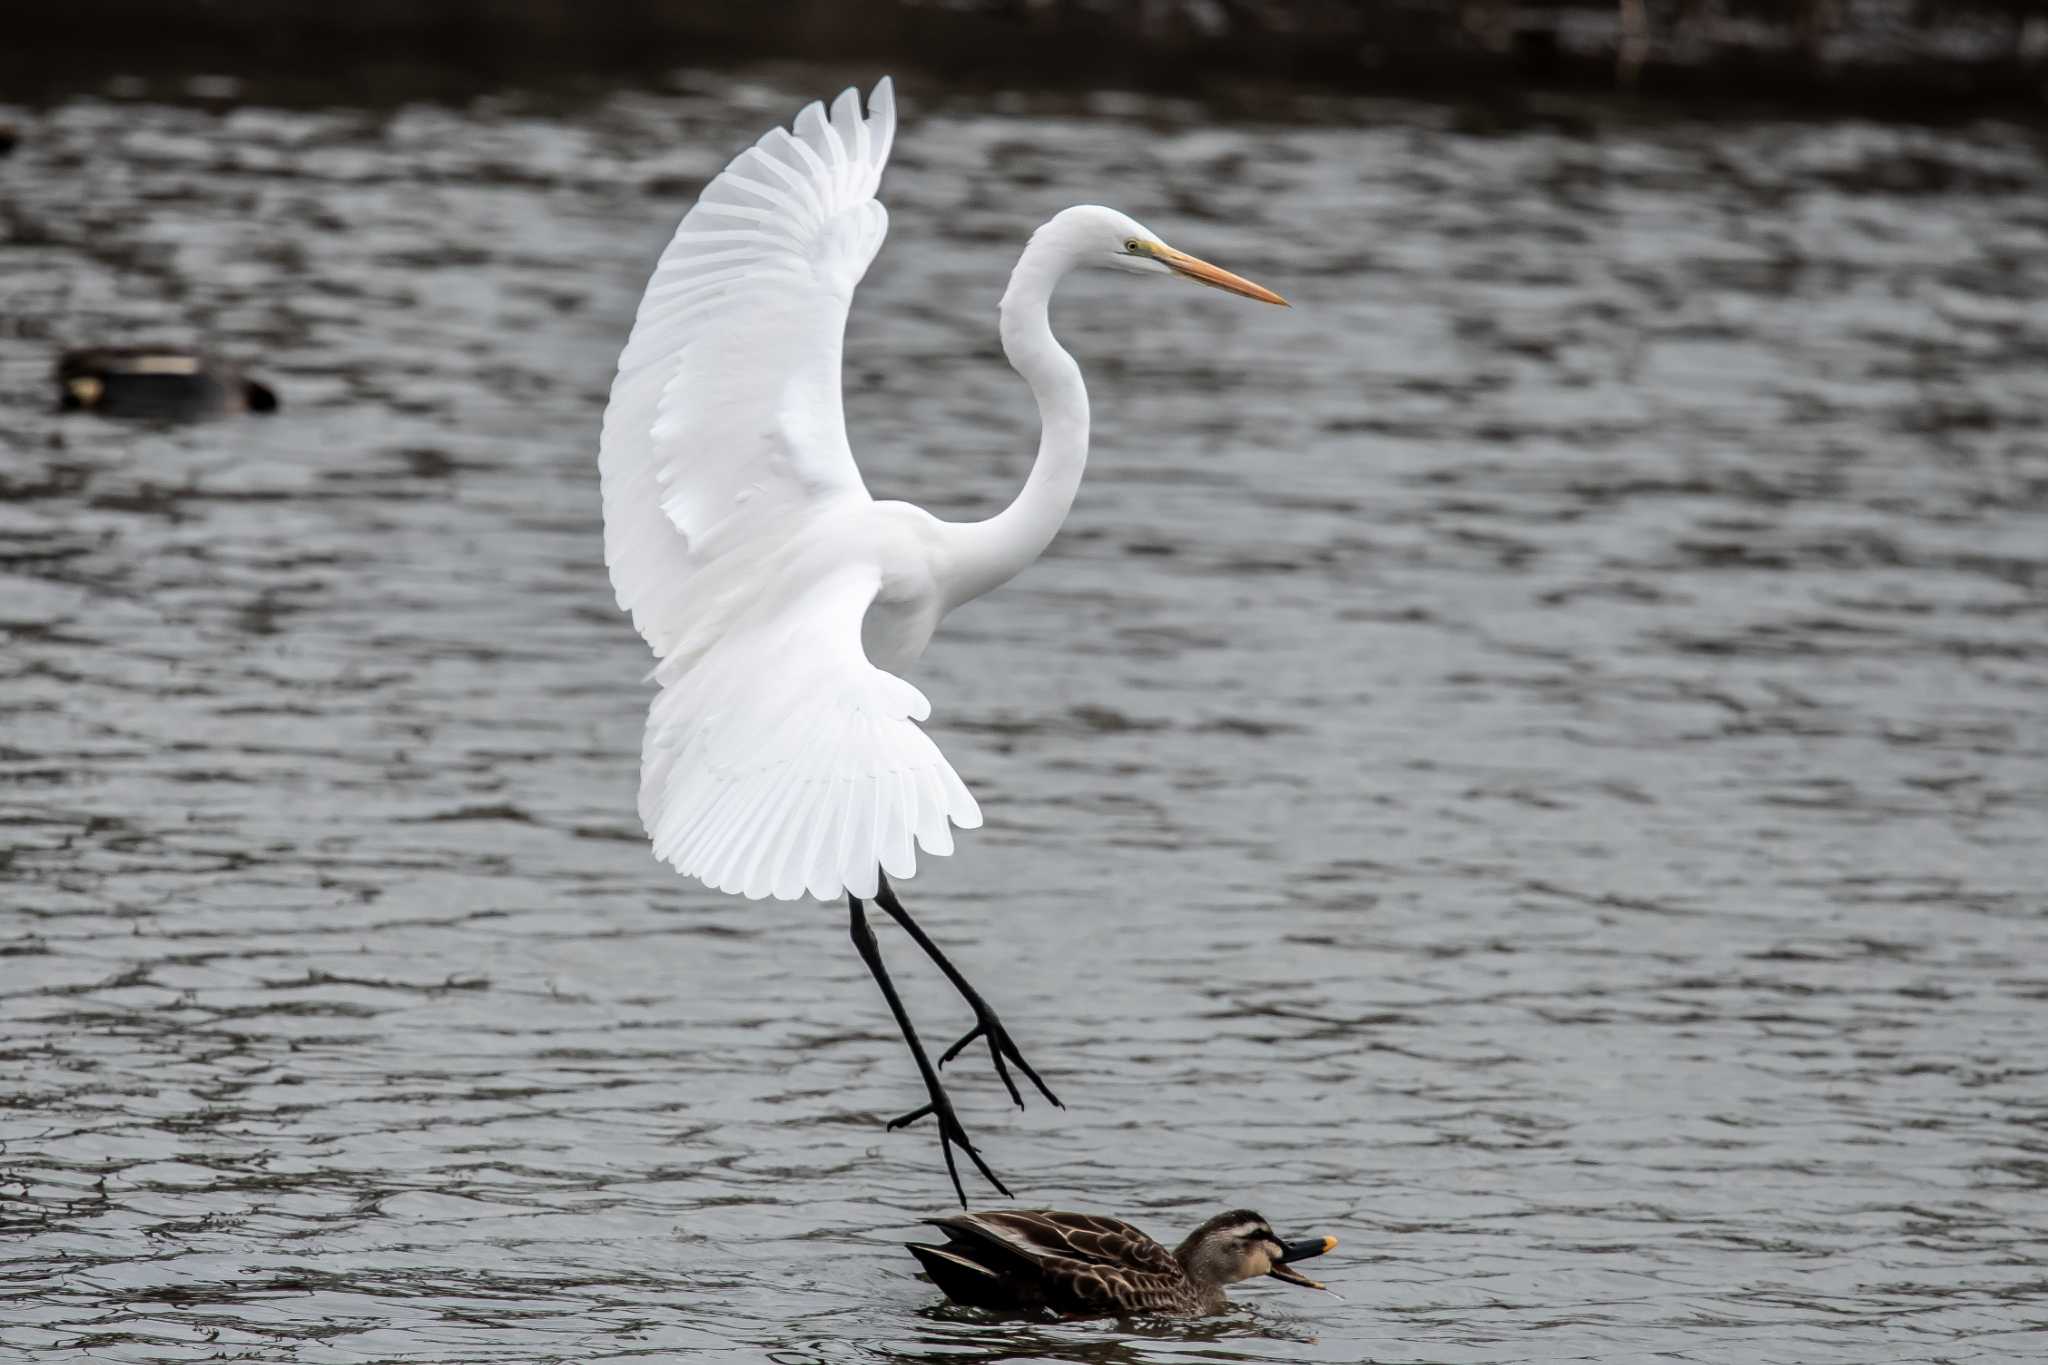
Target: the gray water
(1531, 762)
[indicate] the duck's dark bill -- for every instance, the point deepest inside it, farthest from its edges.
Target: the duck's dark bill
(1292, 1276)
(1307, 1247)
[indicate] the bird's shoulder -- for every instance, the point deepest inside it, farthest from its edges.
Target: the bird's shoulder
(1090, 1239)
(907, 543)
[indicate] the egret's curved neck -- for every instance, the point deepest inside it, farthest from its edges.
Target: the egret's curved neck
(987, 554)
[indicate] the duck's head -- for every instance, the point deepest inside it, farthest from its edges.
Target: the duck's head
(1241, 1245)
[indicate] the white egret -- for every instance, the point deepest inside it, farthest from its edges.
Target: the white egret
(782, 756)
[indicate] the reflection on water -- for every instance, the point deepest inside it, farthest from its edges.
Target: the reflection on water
(1531, 761)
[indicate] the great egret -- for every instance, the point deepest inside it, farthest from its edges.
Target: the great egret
(782, 756)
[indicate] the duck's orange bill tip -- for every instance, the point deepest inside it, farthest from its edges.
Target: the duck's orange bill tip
(1329, 1244)
(1215, 276)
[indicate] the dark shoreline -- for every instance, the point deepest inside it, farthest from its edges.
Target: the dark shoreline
(1967, 60)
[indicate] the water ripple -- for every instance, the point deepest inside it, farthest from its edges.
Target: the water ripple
(1531, 761)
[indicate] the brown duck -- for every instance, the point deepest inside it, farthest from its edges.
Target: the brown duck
(1082, 1265)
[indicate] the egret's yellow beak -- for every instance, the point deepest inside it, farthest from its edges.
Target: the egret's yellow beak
(1201, 272)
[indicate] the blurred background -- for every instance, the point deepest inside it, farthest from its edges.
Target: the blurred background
(1533, 761)
(1907, 57)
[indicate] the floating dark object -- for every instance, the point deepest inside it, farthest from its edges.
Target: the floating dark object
(8, 137)
(158, 383)
(1082, 1265)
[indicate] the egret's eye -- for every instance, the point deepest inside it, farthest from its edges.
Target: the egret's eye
(1131, 247)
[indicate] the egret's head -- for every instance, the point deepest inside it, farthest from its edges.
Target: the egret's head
(1093, 235)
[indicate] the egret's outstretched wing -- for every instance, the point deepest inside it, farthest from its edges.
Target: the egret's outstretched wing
(777, 760)
(725, 417)
(781, 762)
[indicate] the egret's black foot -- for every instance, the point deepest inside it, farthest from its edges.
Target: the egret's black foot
(1000, 1047)
(951, 1135)
(940, 1106)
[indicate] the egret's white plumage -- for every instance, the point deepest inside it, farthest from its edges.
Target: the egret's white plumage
(777, 759)
(783, 755)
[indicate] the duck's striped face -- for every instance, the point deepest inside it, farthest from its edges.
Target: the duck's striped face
(1259, 1249)
(1234, 1247)
(1243, 1246)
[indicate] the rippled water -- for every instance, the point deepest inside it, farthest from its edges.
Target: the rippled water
(1532, 762)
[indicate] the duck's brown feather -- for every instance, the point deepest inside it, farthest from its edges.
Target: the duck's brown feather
(966, 1280)
(1086, 1237)
(1075, 1264)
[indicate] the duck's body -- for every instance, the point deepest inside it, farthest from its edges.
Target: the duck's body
(156, 383)
(1083, 1265)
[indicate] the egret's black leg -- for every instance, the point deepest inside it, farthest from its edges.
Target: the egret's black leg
(986, 1024)
(940, 1106)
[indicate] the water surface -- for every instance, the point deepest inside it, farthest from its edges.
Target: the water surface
(1531, 761)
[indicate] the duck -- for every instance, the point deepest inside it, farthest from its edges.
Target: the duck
(1084, 1265)
(163, 383)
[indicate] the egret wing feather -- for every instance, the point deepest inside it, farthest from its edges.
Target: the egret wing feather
(781, 762)
(777, 760)
(725, 420)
